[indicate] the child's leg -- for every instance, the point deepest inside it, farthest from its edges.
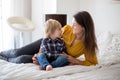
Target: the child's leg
(60, 61)
(43, 60)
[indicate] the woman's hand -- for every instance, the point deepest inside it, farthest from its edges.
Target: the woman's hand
(34, 58)
(65, 54)
(72, 60)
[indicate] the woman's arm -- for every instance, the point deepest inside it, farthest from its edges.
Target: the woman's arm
(72, 59)
(90, 59)
(86, 62)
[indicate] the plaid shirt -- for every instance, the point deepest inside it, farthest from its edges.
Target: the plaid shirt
(52, 47)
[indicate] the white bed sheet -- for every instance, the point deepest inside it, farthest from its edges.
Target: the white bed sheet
(11, 71)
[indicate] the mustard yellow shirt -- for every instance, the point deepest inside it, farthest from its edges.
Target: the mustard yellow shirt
(78, 48)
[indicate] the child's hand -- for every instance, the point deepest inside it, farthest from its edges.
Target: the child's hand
(34, 58)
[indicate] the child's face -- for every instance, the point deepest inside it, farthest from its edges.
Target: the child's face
(57, 32)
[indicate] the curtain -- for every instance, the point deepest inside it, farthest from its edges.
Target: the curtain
(0, 25)
(21, 8)
(6, 33)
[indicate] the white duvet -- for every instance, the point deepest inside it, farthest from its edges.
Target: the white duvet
(11, 71)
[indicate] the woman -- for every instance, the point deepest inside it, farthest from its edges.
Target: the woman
(79, 39)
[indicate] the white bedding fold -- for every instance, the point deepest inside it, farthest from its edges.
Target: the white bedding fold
(11, 71)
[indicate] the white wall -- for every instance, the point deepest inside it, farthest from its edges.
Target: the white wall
(49, 6)
(105, 13)
(69, 7)
(37, 12)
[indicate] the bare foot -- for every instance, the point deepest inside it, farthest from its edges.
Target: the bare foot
(40, 68)
(48, 68)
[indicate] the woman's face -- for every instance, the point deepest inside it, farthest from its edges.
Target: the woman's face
(77, 28)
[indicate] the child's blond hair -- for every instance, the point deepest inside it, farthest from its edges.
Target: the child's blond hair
(50, 26)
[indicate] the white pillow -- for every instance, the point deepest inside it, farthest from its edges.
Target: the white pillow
(115, 44)
(103, 40)
(111, 53)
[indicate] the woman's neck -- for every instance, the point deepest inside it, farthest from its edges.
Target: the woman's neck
(77, 37)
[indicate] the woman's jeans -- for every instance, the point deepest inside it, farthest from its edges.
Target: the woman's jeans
(58, 61)
(23, 54)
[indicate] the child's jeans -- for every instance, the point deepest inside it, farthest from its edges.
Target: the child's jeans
(59, 61)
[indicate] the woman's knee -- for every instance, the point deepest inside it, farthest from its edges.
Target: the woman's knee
(25, 59)
(31, 48)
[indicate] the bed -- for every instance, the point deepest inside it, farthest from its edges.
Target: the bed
(107, 69)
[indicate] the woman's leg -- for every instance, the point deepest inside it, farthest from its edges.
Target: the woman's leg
(21, 59)
(8, 53)
(60, 61)
(29, 49)
(13, 54)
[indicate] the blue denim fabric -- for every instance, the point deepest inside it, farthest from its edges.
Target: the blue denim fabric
(23, 54)
(42, 60)
(58, 61)
(21, 59)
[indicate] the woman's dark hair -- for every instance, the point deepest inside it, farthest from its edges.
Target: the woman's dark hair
(85, 20)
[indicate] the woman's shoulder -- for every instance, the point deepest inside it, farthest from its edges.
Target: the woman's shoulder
(66, 29)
